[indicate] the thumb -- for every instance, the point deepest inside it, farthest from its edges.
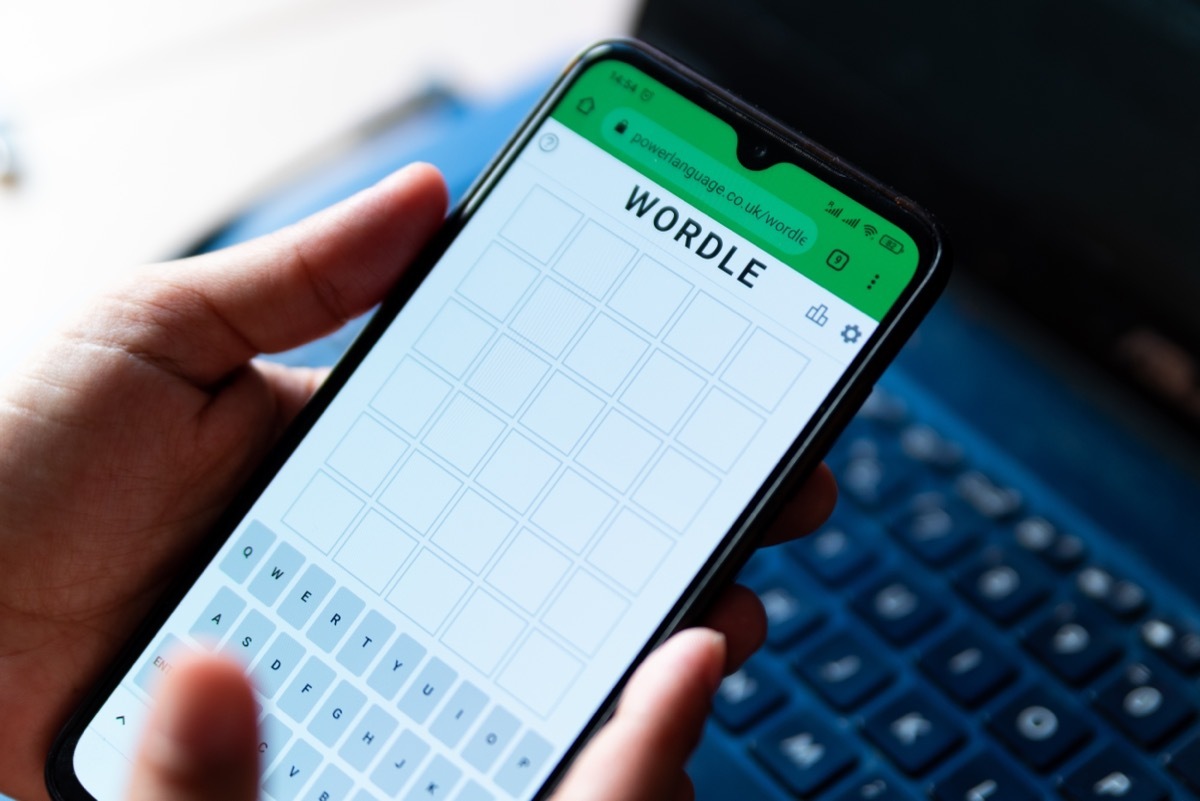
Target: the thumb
(201, 741)
(640, 754)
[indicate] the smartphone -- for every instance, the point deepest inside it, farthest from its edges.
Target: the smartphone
(562, 433)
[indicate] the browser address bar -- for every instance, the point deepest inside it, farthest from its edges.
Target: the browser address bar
(710, 185)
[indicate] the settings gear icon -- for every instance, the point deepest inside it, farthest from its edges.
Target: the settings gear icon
(850, 334)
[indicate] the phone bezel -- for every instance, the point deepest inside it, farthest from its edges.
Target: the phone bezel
(800, 459)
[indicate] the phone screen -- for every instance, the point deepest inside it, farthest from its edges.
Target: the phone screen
(465, 553)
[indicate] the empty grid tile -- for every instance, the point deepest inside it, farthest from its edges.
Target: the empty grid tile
(411, 395)
(662, 391)
(551, 317)
(540, 224)
(765, 369)
(573, 510)
(649, 296)
(454, 338)
(706, 332)
(473, 531)
(428, 590)
(561, 412)
(323, 511)
(720, 429)
(518, 471)
(595, 259)
(528, 570)
(605, 354)
(367, 454)
(497, 281)
(419, 492)
(630, 551)
(375, 550)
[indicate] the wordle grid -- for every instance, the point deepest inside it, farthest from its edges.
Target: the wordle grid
(507, 493)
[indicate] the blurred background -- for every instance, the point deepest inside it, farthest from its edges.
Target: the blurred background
(129, 129)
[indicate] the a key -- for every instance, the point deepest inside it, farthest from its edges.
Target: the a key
(305, 596)
(331, 785)
(844, 670)
(248, 551)
(436, 782)
(159, 662)
(789, 615)
(310, 685)
(400, 764)
(874, 788)
(335, 716)
(899, 608)
(473, 792)
(218, 617)
(334, 621)
(295, 770)
(1059, 550)
(1005, 585)
(368, 737)
(804, 752)
(1178, 642)
(1146, 704)
(1075, 642)
(745, 696)
(490, 739)
(1112, 774)
(277, 664)
(937, 528)
(519, 767)
(458, 714)
(914, 731)
(428, 690)
(969, 666)
(366, 642)
(396, 666)
(277, 572)
(984, 778)
(249, 637)
(992, 500)
(1040, 728)
(839, 552)
(273, 735)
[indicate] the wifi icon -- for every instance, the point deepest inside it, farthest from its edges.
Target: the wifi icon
(870, 230)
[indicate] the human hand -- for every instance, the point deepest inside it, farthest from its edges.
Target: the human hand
(129, 433)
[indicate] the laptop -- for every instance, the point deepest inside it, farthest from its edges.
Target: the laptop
(1006, 601)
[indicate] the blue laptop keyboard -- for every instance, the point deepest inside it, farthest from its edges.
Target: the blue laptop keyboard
(954, 633)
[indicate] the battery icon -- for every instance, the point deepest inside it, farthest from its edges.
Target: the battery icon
(891, 244)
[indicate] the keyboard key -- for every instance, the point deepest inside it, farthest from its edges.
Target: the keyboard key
(1128, 600)
(277, 572)
(396, 666)
(844, 670)
(745, 696)
(1075, 643)
(914, 731)
(342, 706)
(436, 782)
(309, 686)
(804, 752)
(273, 735)
(789, 615)
(839, 552)
(899, 608)
(332, 785)
(368, 737)
(937, 528)
(1056, 548)
(249, 637)
(984, 778)
(428, 690)
(304, 598)
(335, 619)
(473, 792)
(396, 769)
(160, 661)
(249, 550)
(218, 617)
(985, 496)
(869, 480)
(968, 666)
(1178, 642)
(366, 642)
(884, 408)
(1112, 774)
(490, 739)
(294, 771)
(1146, 704)
(1040, 728)
(874, 788)
(1005, 585)
(458, 714)
(277, 664)
(519, 767)
(926, 445)
(1185, 763)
